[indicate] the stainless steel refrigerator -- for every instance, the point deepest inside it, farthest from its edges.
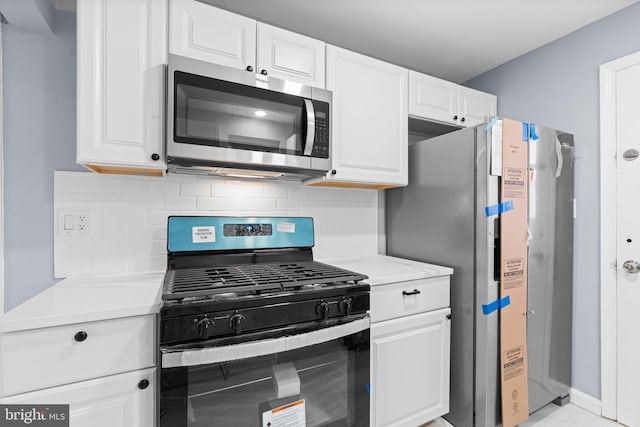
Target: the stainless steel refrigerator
(440, 218)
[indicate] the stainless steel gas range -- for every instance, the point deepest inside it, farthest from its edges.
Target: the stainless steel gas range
(254, 332)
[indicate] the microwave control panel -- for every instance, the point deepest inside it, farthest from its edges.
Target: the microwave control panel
(321, 143)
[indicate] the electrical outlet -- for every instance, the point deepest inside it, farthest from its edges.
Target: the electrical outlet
(74, 222)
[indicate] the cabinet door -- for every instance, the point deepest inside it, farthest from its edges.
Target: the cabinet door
(121, 57)
(369, 130)
(410, 369)
(203, 32)
(475, 106)
(432, 98)
(123, 400)
(290, 56)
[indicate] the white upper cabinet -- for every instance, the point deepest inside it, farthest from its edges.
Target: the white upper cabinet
(121, 74)
(290, 56)
(436, 99)
(433, 98)
(203, 32)
(369, 128)
(474, 106)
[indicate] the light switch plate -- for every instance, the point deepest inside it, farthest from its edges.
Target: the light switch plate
(74, 222)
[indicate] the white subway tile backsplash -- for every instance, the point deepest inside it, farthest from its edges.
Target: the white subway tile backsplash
(129, 216)
(160, 217)
(288, 205)
(195, 189)
(159, 186)
(179, 202)
(149, 202)
(147, 232)
(211, 204)
(251, 205)
(237, 190)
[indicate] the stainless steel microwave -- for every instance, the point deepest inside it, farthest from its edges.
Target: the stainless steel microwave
(236, 123)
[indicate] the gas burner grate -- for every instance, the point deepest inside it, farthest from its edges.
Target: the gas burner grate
(203, 282)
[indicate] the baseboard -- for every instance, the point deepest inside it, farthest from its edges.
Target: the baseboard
(585, 401)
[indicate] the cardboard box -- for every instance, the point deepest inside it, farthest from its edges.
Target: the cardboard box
(514, 226)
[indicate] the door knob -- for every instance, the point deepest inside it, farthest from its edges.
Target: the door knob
(631, 266)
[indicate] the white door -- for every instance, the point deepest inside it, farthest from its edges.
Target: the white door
(620, 237)
(628, 242)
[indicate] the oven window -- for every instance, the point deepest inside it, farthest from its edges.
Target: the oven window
(322, 385)
(225, 114)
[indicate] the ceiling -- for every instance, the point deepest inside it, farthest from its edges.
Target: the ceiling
(452, 39)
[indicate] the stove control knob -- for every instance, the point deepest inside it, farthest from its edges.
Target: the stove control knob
(346, 306)
(322, 310)
(205, 328)
(236, 322)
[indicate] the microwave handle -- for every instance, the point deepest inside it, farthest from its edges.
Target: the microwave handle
(311, 127)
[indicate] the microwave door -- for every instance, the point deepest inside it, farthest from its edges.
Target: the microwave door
(311, 127)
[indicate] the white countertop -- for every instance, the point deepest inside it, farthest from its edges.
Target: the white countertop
(383, 269)
(87, 299)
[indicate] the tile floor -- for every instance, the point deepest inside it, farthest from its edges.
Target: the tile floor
(553, 416)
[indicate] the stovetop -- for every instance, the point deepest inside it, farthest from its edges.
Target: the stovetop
(207, 282)
(229, 276)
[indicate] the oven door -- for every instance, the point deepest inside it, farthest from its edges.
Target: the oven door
(315, 377)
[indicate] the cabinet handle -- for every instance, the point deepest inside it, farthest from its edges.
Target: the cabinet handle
(143, 384)
(155, 157)
(455, 117)
(413, 292)
(333, 172)
(249, 68)
(462, 119)
(263, 72)
(80, 336)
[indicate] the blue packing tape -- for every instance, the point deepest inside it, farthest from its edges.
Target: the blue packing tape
(525, 131)
(532, 132)
(491, 123)
(499, 208)
(496, 305)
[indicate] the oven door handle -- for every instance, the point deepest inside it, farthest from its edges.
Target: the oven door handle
(311, 127)
(226, 353)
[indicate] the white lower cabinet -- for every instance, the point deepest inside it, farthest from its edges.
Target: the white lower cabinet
(123, 400)
(104, 370)
(410, 369)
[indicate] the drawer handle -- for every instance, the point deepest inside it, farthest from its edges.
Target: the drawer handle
(143, 384)
(80, 336)
(413, 292)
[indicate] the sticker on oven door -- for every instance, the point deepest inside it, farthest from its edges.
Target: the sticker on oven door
(286, 227)
(203, 234)
(290, 415)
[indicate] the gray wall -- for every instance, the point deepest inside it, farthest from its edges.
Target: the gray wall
(557, 86)
(39, 137)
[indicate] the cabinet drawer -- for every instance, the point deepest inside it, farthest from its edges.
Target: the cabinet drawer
(406, 298)
(41, 358)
